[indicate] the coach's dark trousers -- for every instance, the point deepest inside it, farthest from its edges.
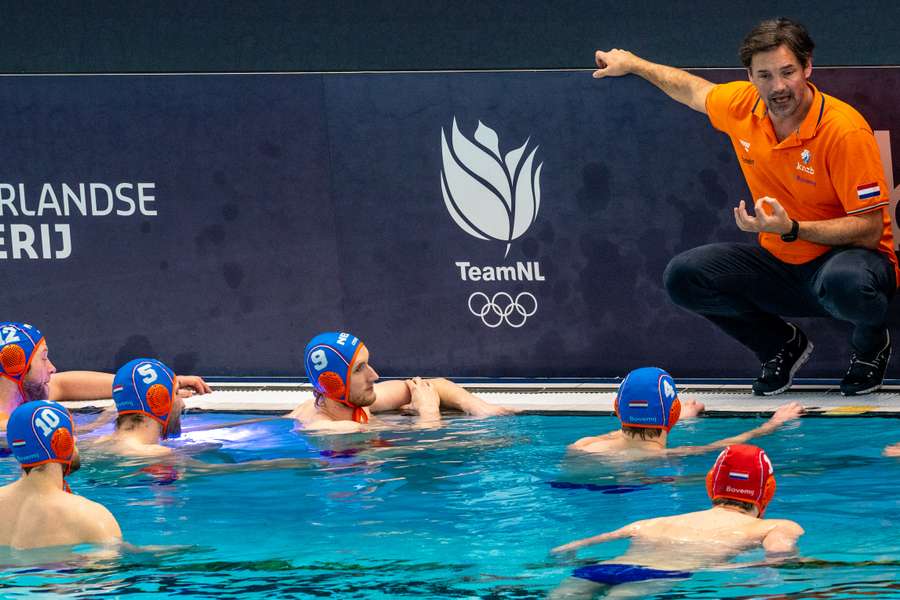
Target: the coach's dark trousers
(745, 290)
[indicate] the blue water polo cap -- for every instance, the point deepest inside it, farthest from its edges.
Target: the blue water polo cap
(648, 398)
(18, 345)
(41, 432)
(145, 386)
(328, 359)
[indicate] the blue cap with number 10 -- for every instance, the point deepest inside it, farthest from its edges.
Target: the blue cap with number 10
(41, 432)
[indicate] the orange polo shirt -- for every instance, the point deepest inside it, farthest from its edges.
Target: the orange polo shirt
(829, 168)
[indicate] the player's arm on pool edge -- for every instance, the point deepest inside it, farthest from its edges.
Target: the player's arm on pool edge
(457, 397)
(678, 84)
(393, 395)
(80, 385)
(95, 385)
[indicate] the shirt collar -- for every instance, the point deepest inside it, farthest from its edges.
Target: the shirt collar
(810, 123)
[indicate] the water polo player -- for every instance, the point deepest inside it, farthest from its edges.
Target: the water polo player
(346, 392)
(38, 510)
(148, 408)
(149, 412)
(27, 374)
(648, 406)
(740, 485)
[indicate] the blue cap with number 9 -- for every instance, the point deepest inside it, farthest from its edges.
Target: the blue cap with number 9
(329, 358)
(648, 398)
(145, 386)
(41, 432)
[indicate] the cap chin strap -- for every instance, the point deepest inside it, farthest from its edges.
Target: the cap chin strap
(359, 413)
(20, 379)
(19, 384)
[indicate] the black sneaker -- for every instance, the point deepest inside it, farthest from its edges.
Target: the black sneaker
(866, 375)
(778, 371)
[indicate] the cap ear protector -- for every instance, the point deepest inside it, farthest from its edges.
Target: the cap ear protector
(674, 413)
(331, 384)
(744, 473)
(329, 359)
(19, 343)
(41, 432)
(146, 386)
(13, 359)
(159, 399)
(648, 398)
(767, 495)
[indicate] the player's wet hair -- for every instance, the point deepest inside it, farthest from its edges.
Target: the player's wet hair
(642, 432)
(745, 506)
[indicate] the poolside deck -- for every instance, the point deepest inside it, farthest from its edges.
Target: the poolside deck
(568, 398)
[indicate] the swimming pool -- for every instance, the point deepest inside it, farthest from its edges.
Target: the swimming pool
(467, 511)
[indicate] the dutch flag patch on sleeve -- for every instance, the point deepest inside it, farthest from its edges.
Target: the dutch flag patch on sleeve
(868, 190)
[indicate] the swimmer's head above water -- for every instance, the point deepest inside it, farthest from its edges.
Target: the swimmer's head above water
(337, 364)
(40, 433)
(24, 360)
(145, 388)
(742, 476)
(648, 400)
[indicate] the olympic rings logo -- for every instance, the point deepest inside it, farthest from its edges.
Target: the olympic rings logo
(502, 307)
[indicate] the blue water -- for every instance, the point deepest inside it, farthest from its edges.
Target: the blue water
(467, 511)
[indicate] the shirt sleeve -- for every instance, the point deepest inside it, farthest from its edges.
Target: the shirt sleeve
(719, 102)
(857, 173)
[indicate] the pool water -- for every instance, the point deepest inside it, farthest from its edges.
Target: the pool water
(466, 511)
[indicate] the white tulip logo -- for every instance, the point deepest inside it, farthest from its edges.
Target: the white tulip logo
(488, 196)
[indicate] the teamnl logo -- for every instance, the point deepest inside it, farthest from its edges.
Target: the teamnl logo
(495, 198)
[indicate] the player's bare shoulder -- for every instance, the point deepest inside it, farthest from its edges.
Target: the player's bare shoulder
(306, 412)
(598, 444)
(786, 527)
(94, 522)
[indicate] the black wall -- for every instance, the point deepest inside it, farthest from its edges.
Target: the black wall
(289, 204)
(300, 35)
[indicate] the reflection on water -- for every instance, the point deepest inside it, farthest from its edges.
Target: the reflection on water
(467, 510)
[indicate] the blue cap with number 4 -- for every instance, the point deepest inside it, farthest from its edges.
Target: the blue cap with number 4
(648, 398)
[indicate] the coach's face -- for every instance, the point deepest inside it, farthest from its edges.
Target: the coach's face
(780, 80)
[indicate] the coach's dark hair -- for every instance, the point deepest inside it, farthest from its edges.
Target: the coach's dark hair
(772, 33)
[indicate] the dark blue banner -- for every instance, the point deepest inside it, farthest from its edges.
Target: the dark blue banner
(462, 224)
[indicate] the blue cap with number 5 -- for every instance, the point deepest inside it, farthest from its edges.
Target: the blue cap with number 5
(145, 386)
(648, 398)
(41, 432)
